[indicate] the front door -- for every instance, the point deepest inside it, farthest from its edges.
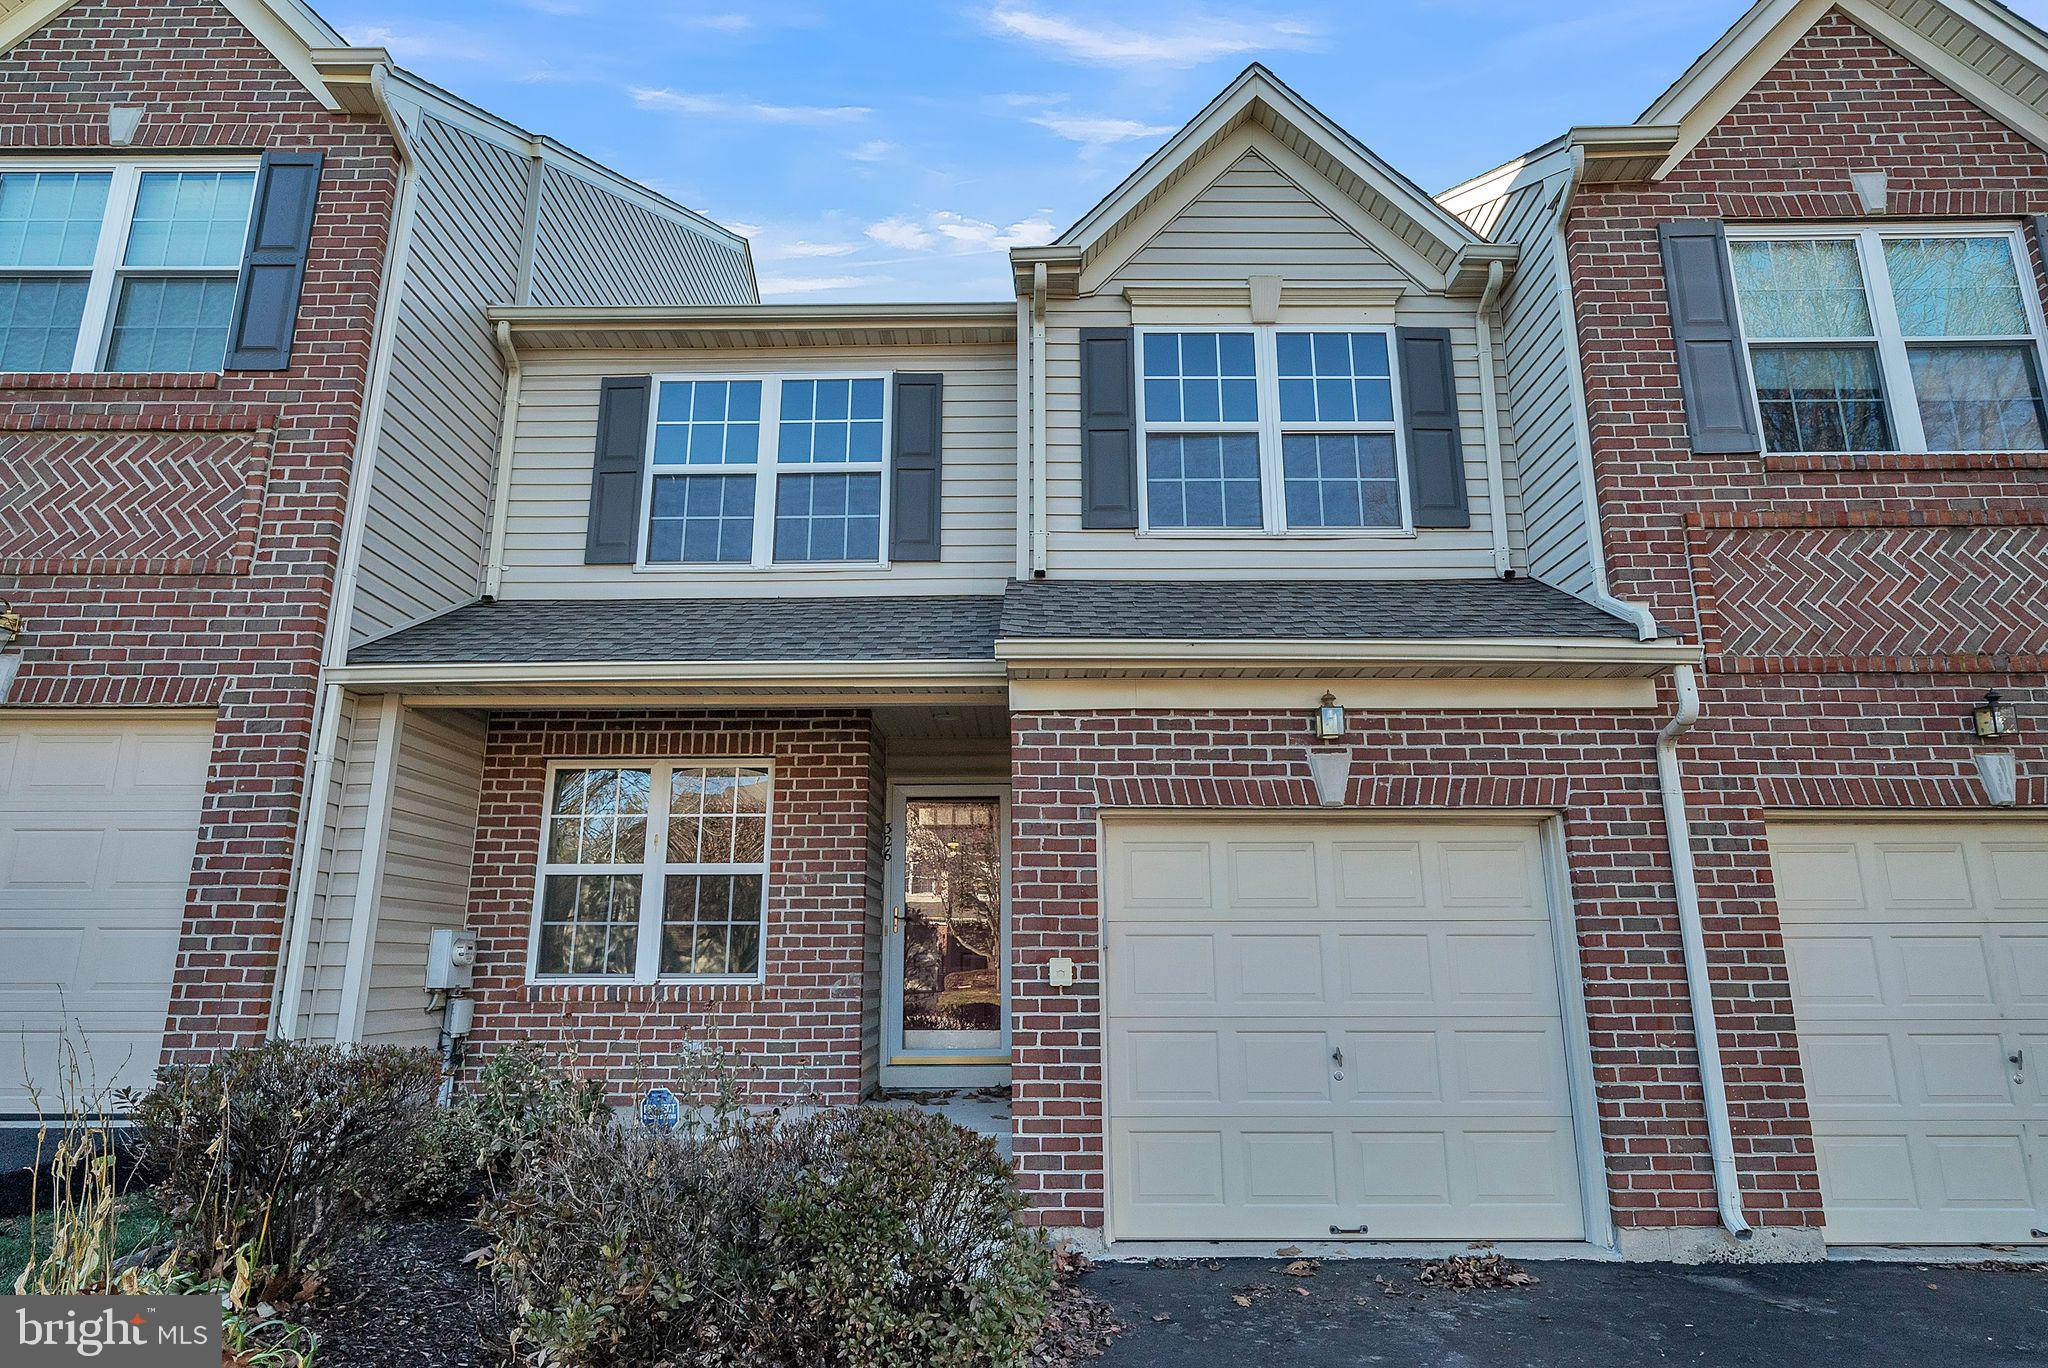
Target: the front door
(946, 1018)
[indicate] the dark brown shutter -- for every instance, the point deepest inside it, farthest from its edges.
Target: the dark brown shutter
(266, 306)
(1109, 429)
(1720, 412)
(1436, 451)
(916, 457)
(613, 536)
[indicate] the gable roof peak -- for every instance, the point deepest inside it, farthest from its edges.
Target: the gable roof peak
(1257, 96)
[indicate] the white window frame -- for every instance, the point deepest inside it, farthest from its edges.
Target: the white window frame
(766, 470)
(102, 292)
(1270, 430)
(1894, 361)
(653, 869)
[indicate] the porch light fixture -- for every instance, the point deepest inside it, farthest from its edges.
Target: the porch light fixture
(1329, 719)
(1993, 720)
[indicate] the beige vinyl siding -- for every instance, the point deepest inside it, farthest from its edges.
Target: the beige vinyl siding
(1250, 218)
(436, 784)
(1537, 328)
(593, 247)
(334, 898)
(426, 526)
(549, 501)
(1254, 220)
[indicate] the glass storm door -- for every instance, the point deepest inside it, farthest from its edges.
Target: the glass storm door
(946, 940)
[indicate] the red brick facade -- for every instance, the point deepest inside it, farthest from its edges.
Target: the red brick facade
(203, 572)
(1834, 678)
(1595, 769)
(797, 1035)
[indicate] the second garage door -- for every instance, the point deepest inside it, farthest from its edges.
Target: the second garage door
(98, 819)
(1335, 1027)
(1919, 962)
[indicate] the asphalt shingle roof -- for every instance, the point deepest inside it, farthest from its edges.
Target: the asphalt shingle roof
(1213, 610)
(966, 627)
(521, 631)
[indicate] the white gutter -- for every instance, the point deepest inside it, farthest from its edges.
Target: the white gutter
(1692, 936)
(501, 477)
(1489, 408)
(1582, 430)
(1039, 520)
(1539, 653)
(1024, 419)
(369, 431)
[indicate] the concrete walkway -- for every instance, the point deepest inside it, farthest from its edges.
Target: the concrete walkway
(1606, 1314)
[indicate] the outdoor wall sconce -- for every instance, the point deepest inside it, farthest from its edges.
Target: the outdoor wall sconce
(1993, 720)
(1329, 719)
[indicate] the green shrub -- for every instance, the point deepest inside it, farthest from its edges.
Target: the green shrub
(277, 1153)
(521, 1099)
(857, 1237)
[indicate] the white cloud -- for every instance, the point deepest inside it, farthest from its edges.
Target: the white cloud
(947, 231)
(874, 149)
(779, 285)
(425, 44)
(740, 107)
(800, 250)
(724, 23)
(553, 6)
(902, 234)
(1098, 132)
(1184, 42)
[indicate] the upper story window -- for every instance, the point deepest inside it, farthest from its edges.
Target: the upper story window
(131, 268)
(653, 871)
(1270, 430)
(810, 491)
(1891, 340)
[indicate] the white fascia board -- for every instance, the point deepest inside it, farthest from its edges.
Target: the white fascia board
(1349, 650)
(852, 674)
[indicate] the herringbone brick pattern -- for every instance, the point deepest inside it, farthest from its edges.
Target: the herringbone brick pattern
(125, 502)
(1908, 597)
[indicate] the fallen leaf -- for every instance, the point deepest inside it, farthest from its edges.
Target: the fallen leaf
(1286, 1252)
(1162, 1316)
(1301, 1268)
(1242, 1300)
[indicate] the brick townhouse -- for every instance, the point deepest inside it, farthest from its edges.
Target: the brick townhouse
(241, 266)
(1351, 715)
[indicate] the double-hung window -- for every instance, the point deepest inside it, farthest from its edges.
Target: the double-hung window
(653, 871)
(1884, 339)
(767, 470)
(1272, 430)
(121, 268)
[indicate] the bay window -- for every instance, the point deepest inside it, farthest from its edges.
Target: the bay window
(653, 871)
(1892, 339)
(1269, 429)
(127, 267)
(767, 470)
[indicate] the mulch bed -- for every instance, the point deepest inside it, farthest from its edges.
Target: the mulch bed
(402, 1297)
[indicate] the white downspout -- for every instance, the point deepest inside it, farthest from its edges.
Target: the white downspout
(1039, 536)
(501, 478)
(1582, 429)
(1692, 937)
(1489, 408)
(284, 1005)
(1025, 404)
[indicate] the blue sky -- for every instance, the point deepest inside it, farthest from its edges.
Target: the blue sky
(881, 151)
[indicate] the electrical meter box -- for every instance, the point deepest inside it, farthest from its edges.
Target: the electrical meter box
(451, 959)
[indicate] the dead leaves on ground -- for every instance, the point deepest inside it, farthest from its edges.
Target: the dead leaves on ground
(1466, 1273)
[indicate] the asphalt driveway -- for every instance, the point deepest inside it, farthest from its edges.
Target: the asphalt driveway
(1613, 1315)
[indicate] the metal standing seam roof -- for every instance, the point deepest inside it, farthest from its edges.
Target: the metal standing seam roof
(967, 627)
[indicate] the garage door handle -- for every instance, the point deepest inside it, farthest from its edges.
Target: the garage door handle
(1337, 1056)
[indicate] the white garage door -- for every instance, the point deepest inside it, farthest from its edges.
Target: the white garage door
(98, 820)
(1919, 962)
(1320, 1027)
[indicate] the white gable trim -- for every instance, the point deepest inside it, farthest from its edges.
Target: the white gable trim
(1729, 70)
(288, 29)
(1253, 87)
(1372, 234)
